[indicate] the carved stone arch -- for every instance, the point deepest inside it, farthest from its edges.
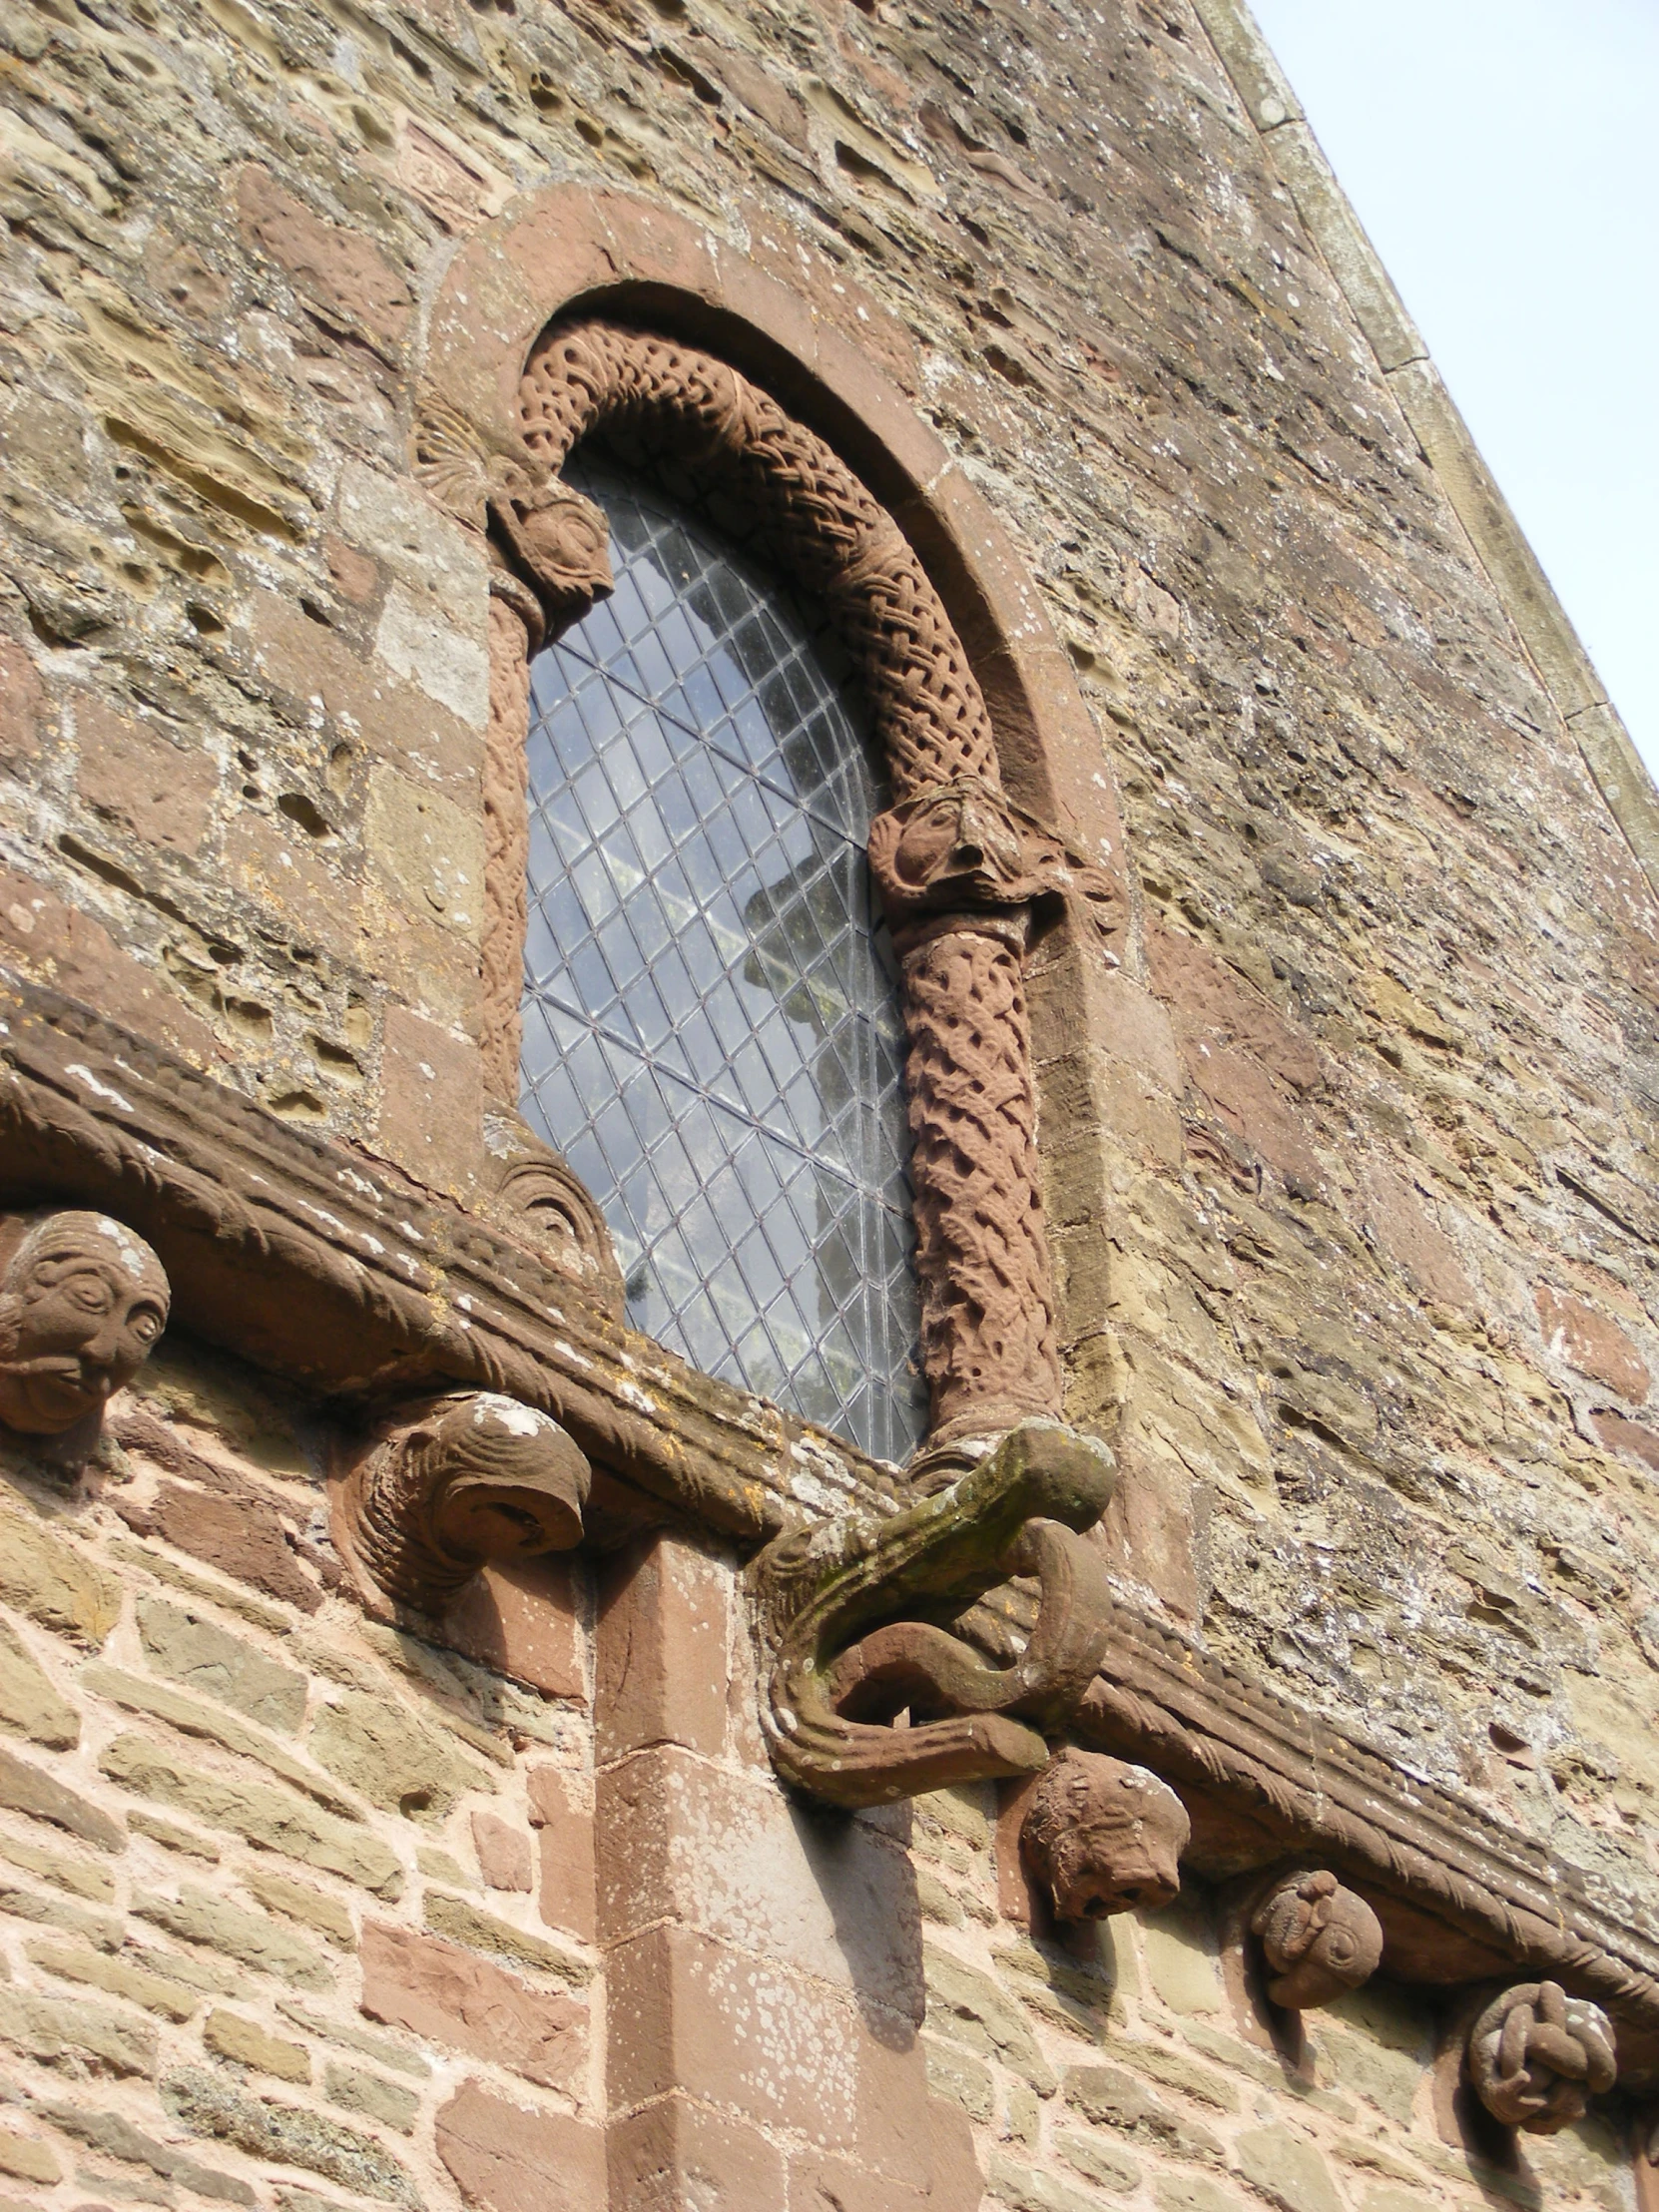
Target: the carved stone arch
(598, 291)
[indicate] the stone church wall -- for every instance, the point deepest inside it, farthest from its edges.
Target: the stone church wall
(1347, 1146)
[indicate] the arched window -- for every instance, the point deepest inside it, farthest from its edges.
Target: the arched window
(712, 1030)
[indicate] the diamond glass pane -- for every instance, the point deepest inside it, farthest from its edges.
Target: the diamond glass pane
(711, 1004)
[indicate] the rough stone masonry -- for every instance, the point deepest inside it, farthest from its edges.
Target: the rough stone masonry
(1348, 1155)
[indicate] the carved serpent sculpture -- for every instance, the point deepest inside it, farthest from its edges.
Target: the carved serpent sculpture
(851, 1615)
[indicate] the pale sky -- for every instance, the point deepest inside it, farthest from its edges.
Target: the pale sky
(1505, 157)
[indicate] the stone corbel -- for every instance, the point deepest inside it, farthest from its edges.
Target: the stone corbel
(446, 1486)
(552, 545)
(851, 1616)
(83, 1303)
(1318, 1939)
(1103, 1837)
(1536, 2058)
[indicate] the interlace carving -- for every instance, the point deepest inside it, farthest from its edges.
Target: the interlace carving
(447, 1484)
(1318, 1939)
(1104, 1837)
(959, 868)
(1537, 2057)
(987, 1317)
(82, 1302)
(851, 1615)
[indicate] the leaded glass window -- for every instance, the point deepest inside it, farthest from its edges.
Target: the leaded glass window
(711, 1013)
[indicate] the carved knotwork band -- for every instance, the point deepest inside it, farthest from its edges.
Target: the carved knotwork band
(960, 870)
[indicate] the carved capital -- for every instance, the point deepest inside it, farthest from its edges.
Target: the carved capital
(554, 545)
(446, 1486)
(1318, 1939)
(1104, 1837)
(963, 850)
(82, 1302)
(1536, 2058)
(850, 1624)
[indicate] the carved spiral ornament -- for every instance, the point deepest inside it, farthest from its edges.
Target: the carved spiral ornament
(1537, 2057)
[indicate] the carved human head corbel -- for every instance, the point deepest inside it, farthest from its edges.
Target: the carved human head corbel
(1103, 1837)
(448, 1485)
(82, 1302)
(1318, 1939)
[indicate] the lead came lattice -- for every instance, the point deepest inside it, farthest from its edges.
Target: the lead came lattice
(711, 1019)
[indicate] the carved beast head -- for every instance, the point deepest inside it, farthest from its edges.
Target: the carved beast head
(1104, 1837)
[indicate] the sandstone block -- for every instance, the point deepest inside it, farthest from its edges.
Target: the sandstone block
(99, 1929)
(520, 1619)
(1590, 1342)
(249, 2046)
(269, 1817)
(967, 2006)
(505, 2159)
(194, 1650)
(78, 956)
(672, 2153)
(664, 1629)
(68, 2032)
(119, 2139)
(1189, 2194)
(1181, 1964)
(48, 1578)
(445, 663)
(141, 781)
(196, 1916)
(729, 1855)
(392, 1756)
(504, 1858)
(29, 1704)
(446, 1995)
(432, 1115)
(28, 2158)
(428, 850)
(1099, 2162)
(371, 2095)
(81, 1876)
(118, 1976)
(236, 1535)
(208, 2104)
(137, 1694)
(22, 705)
(301, 1902)
(386, 2050)
(1028, 2190)
(1112, 2098)
(1288, 2171)
(732, 2029)
(564, 1822)
(339, 269)
(27, 1789)
(465, 1924)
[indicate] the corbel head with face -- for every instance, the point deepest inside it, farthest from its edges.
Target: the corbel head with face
(1104, 1837)
(82, 1303)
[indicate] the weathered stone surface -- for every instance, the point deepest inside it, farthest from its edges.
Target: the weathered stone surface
(28, 2158)
(29, 1705)
(101, 1928)
(196, 1651)
(71, 2032)
(196, 1916)
(83, 1878)
(1113, 2098)
(967, 2006)
(209, 2104)
(392, 1756)
(159, 1700)
(504, 1858)
(48, 1578)
(265, 1817)
(248, 2043)
(465, 1924)
(506, 2159)
(118, 1976)
(301, 1902)
(372, 2095)
(118, 2138)
(446, 1995)
(1287, 2170)
(28, 1789)
(238, 1536)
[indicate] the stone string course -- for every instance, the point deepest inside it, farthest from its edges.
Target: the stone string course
(1349, 1163)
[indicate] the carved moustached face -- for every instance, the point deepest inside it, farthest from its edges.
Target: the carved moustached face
(81, 1302)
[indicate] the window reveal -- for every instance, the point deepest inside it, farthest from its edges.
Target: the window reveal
(710, 1021)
